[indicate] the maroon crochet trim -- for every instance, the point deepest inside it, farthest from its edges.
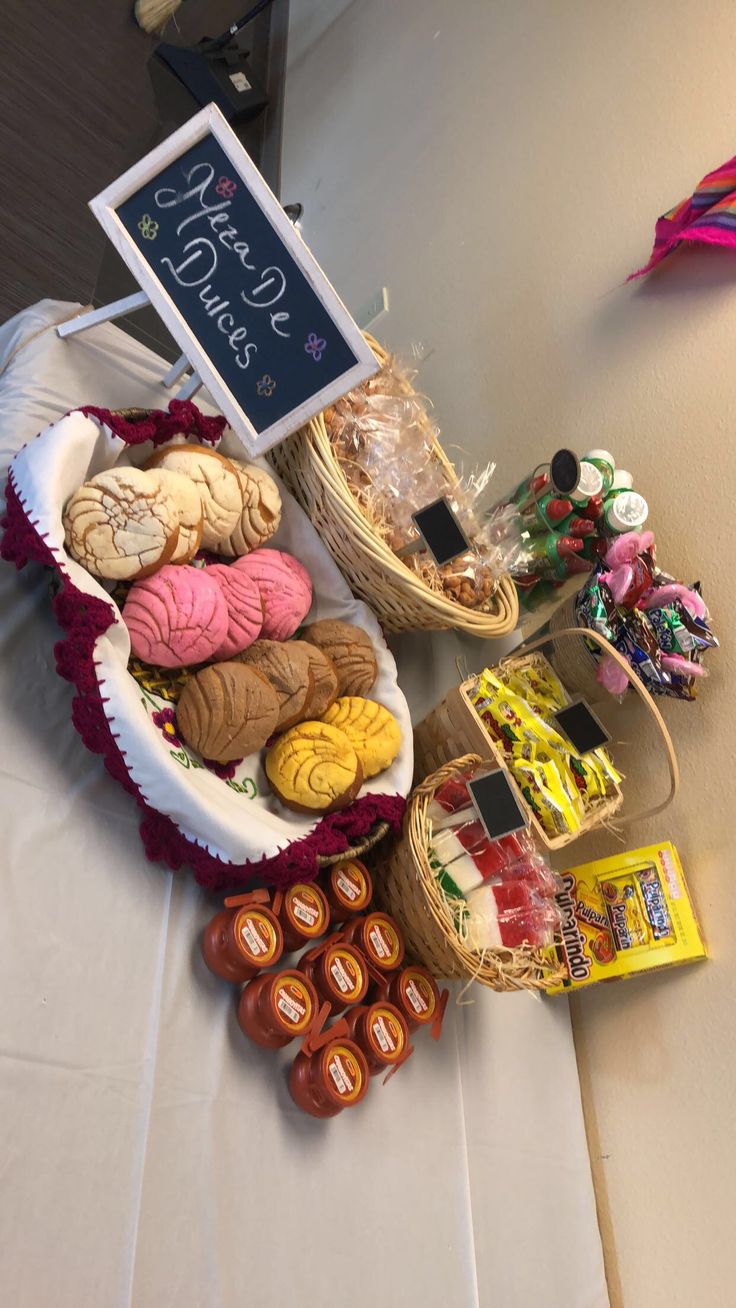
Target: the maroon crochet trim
(159, 427)
(84, 618)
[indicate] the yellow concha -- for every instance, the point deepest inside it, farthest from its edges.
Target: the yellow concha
(314, 767)
(371, 729)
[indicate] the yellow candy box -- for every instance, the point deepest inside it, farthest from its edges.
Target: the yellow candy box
(624, 915)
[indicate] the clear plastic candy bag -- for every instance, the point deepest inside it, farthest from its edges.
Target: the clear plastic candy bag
(388, 449)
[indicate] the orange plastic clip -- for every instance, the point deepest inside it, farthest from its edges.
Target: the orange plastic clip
(311, 954)
(399, 1062)
(439, 1017)
(316, 1037)
(260, 896)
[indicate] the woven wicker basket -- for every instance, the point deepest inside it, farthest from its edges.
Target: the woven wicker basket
(398, 596)
(381, 829)
(409, 890)
(455, 728)
(574, 661)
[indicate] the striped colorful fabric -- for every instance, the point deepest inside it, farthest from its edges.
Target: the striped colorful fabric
(708, 215)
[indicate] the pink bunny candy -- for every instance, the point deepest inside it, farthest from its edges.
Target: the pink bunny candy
(611, 676)
(682, 666)
(618, 581)
(663, 595)
(623, 549)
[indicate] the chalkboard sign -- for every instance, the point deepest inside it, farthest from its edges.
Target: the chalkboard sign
(496, 802)
(583, 729)
(235, 284)
(441, 531)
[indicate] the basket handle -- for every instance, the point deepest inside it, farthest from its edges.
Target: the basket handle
(443, 774)
(643, 694)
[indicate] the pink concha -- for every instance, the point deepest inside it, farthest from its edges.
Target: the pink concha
(286, 590)
(176, 617)
(244, 609)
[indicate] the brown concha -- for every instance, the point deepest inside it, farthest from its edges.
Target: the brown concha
(286, 665)
(227, 711)
(351, 651)
(326, 681)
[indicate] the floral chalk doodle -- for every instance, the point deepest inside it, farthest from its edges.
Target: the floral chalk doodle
(226, 187)
(315, 345)
(266, 386)
(148, 227)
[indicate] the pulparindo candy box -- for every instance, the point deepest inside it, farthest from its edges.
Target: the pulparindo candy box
(625, 915)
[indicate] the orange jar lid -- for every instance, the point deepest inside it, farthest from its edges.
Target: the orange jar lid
(382, 942)
(344, 1071)
(306, 910)
(385, 1031)
(257, 935)
(418, 994)
(293, 1002)
(351, 886)
(345, 970)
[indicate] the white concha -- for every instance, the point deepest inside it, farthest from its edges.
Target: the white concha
(217, 482)
(261, 512)
(185, 494)
(121, 524)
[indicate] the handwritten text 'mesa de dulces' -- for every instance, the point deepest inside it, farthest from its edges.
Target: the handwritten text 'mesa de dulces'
(199, 261)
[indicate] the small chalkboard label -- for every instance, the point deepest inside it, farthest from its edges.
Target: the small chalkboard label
(496, 801)
(233, 281)
(441, 532)
(583, 729)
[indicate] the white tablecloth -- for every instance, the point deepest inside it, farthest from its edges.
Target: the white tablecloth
(149, 1154)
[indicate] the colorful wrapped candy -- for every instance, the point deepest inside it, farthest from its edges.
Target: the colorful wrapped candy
(509, 915)
(502, 892)
(661, 627)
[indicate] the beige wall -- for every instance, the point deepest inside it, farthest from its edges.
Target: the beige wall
(499, 166)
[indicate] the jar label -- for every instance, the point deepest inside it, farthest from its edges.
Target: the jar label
(420, 995)
(255, 935)
(386, 1032)
(349, 890)
(337, 1072)
(378, 941)
(344, 1073)
(307, 908)
(305, 912)
(351, 882)
(288, 1007)
(252, 939)
(293, 1002)
(346, 973)
(385, 941)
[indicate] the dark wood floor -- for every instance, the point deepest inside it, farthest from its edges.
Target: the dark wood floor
(76, 109)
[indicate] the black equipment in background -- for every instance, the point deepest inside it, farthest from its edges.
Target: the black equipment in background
(218, 70)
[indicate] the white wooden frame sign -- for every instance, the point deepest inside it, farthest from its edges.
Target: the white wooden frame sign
(242, 255)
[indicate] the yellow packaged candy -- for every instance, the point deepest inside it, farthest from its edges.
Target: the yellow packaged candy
(544, 681)
(538, 686)
(540, 776)
(516, 705)
(592, 776)
(624, 915)
(602, 759)
(520, 686)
